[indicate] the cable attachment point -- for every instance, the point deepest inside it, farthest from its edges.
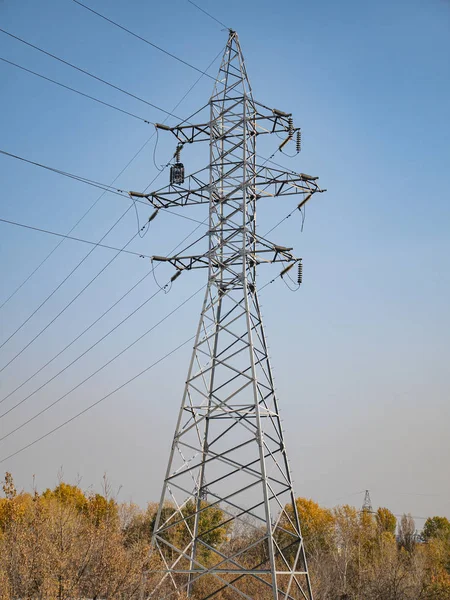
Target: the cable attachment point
(298, 145)
(177, 170)
(153, 215)
(283, 144)
(300, 272)
(177, 155)
(291, 126)
(177, 274)
(284, 271)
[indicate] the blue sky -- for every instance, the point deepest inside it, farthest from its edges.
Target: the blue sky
(360, 353)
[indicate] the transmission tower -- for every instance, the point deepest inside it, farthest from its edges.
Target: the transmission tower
(227, 524)
(367, 504)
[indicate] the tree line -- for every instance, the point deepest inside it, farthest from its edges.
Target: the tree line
(67, 544)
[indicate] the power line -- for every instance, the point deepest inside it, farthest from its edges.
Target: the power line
(72, 89)
(285, 219)
(275, 163)
(108, 83)
(75, 239)
(143, 39)
(99, 198)
(96, 320)
(57, 288)
(88, 73)
(105, 312)
(105, 188)
(38, 389)
(116, 389)
(208, 14)
(138, 339)
(72, 300)
(98, 401)
(69, 275)
(44, 260)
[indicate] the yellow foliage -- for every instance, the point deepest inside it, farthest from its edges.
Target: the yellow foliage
(14, 509)
(67, 494)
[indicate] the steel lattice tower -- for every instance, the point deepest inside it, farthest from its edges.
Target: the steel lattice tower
(367, 504)
(227, 524)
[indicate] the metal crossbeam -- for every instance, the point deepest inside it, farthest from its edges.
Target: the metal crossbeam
(227, 520)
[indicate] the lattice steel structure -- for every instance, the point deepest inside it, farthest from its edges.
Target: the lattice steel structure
(367, 504)
(227, 524)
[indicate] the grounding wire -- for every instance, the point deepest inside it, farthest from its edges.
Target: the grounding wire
(96, 320)
(85, 410)
(49, 406)
(142, 39)
(208, 14)
(72, 89)
(75, 239)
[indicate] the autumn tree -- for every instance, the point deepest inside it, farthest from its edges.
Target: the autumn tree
(67, 544)
(436, 527)
(407, 533)
(386, 521)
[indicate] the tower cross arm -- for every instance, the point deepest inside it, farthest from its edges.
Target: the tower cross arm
(272, 120)
(274, 182)
(187, 134)
(267, 120)
(258, 251)
(193, 191)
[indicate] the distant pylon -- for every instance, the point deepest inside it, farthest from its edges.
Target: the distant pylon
(367, 504)
(227, 524)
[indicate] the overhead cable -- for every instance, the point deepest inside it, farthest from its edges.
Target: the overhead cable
(82, 412)
(95, 321)
(69, 275)
(85, 410)
(208, 14)
(105, 188)
(83, 216)
(57, 288)
(133, 287)
(75, 239)
(88, 73)
(139, 37)
(102, 186)
(72, 89)
(87, 329)
(138, 339)
(44, 260)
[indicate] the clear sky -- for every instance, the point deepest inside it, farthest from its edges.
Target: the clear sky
(361, 353)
